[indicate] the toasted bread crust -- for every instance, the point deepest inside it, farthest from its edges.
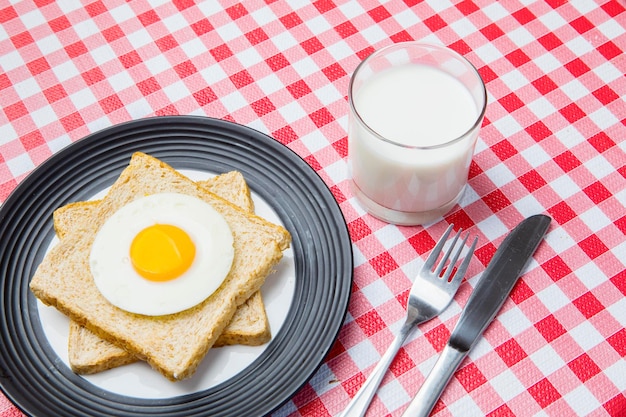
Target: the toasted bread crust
(89, 354)
(63, 279)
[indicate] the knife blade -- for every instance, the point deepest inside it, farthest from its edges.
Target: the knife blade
(490, 293)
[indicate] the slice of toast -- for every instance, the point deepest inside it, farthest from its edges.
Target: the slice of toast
(90, 354)
(173, 344)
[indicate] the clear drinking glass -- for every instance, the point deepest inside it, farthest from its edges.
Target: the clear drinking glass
(415, 113)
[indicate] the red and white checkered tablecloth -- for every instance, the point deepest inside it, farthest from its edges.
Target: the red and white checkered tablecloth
(553, 141)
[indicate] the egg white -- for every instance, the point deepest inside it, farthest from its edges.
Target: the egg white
(123, 287)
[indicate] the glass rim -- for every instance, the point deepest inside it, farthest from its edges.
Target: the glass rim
(458, 56)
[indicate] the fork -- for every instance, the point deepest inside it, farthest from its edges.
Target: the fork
(430, 294)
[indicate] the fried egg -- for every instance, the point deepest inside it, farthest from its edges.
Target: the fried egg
(161, 254)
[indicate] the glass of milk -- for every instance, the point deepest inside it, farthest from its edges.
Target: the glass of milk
(415, 113)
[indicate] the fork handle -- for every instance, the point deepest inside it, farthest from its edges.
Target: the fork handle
(361, 401)
(435, 382)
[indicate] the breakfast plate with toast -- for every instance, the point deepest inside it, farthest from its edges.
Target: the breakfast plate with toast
(169, 266)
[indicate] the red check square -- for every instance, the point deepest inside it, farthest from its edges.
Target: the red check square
(584, 367)
(544, 393)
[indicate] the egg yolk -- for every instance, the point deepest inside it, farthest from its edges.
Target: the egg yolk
(162, 252)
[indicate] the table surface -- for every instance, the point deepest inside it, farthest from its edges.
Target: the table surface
(553, 142)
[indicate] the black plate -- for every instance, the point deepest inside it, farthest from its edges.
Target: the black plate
(40, 384)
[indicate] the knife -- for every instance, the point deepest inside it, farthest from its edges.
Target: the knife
(487, 298)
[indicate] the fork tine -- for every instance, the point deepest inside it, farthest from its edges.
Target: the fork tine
(455, 257)
(460, 272)
(434, 254)
(446, 255)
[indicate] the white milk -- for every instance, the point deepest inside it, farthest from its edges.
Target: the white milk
(416, 105)
(415, 108)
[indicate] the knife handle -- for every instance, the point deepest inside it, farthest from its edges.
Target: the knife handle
(428, 394)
